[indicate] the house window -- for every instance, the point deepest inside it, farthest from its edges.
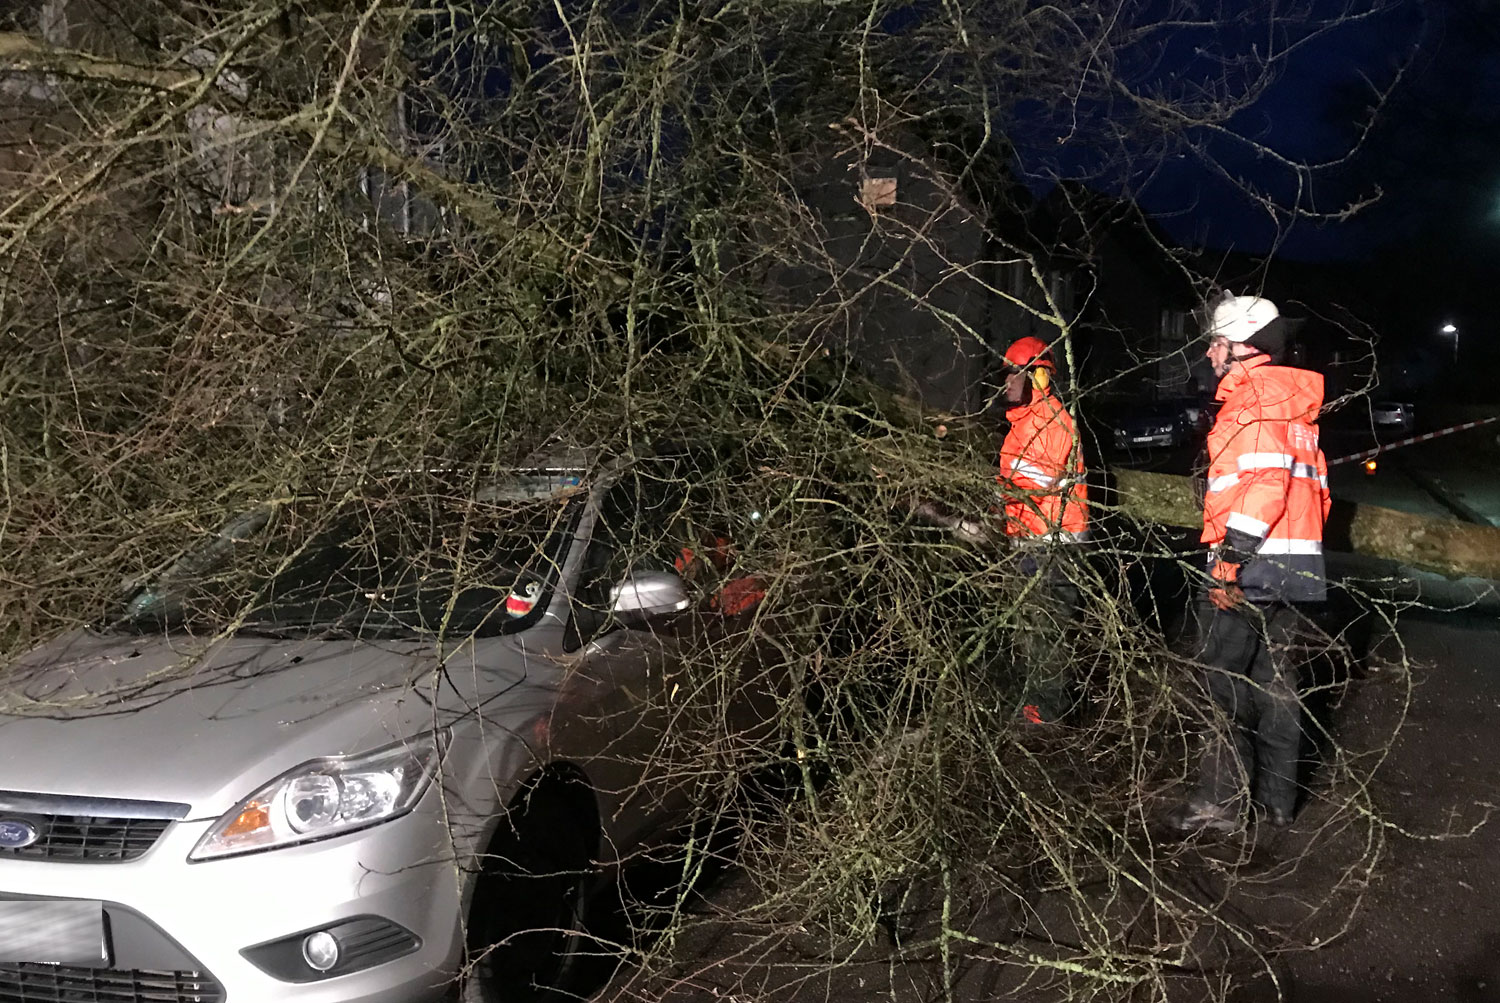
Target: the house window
(877, 192)
(1014, 276)
(1175, 326)
(1060, 288)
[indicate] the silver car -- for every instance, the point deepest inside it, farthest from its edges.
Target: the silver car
(1395, 415)
(368, 777)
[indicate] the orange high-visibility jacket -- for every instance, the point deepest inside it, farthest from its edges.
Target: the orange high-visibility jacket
(1267, 494)
(1041, 472)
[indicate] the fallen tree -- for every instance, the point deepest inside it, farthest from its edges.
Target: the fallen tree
(1443, 545)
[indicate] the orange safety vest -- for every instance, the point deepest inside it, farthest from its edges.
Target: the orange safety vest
(1041, 472)
(1267, 494)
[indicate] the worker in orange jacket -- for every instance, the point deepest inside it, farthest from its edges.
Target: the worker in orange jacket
(1263, 512)
(1041, 463)
(1041, 478)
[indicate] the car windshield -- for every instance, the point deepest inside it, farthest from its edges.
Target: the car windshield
(410, 563)
(1154, 412)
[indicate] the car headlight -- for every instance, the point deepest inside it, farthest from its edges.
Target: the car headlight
(325, 797)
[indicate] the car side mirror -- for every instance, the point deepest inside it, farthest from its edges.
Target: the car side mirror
(648, 593)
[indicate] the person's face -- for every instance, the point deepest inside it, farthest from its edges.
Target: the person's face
(1017, 386)
(1219, 355)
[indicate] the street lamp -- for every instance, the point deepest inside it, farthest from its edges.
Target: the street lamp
(1452, 332)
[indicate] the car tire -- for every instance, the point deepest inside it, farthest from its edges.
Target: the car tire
(526, 921)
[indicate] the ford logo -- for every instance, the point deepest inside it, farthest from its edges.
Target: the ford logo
(16, 833)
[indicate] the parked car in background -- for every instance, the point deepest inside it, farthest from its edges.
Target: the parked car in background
(1395, 416)
(340, 749)
(1153, 425)
(1198, 412)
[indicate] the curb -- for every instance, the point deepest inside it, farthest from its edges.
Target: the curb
(1447, 498)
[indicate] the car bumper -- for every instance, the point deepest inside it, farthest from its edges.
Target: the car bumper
(164, 912)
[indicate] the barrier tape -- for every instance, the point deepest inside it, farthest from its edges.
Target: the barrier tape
(1416, 438)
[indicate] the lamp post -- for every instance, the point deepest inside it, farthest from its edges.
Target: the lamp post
(1452, 332)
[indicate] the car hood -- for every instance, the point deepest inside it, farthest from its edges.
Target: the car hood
(184, 720)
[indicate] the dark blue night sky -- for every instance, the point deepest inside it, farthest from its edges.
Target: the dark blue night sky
(1435, 156)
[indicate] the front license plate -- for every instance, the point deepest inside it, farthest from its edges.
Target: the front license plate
(1140, 439)
(57, 933)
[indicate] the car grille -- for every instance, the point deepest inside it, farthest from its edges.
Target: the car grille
(27, 983)
(91, 837)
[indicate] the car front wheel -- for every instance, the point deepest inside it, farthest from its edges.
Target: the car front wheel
(527, 917)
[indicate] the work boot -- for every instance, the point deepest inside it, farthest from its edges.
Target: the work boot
(1203, 816)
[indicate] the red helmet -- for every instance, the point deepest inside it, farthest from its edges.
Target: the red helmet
(1029, 351)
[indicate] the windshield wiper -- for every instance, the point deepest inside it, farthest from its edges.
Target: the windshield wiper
(296, 631)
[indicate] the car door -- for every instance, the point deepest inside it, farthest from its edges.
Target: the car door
(734, 677)
(633, 664)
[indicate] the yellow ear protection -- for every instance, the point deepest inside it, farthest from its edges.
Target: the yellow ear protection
(1040, 378)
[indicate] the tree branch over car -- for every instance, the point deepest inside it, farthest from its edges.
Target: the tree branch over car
(602, 349)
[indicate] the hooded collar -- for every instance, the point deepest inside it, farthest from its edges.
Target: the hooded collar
(1272, 392)
(1239, 373)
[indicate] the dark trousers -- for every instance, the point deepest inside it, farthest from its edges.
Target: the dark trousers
(1252, 658)
(1045, 648)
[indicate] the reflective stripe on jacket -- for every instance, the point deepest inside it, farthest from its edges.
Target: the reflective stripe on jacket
(1041, 472)
(1267, 494)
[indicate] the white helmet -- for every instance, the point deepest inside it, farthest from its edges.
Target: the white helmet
(1239, 317)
